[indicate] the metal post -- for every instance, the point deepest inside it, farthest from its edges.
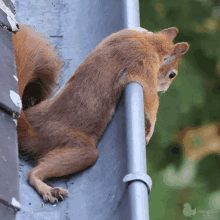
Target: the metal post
(139, 183)
(131, 13)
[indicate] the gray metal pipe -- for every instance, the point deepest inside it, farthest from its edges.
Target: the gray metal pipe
(131, 13)
(139, 183)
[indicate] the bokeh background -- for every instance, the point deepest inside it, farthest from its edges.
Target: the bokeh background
(184, 152)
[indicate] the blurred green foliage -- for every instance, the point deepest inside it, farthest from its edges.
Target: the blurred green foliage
(193, 100)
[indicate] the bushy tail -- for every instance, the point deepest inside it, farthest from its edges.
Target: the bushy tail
(38, 66)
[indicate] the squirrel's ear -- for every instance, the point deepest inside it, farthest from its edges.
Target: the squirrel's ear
(180, 49)
(170, 32)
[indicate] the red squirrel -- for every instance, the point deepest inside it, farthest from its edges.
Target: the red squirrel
(62, 132)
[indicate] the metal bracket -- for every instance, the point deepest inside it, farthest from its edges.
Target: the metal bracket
(141, 177)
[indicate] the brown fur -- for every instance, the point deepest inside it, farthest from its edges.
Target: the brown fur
(38, 69)
(36, 61)
(67, 128)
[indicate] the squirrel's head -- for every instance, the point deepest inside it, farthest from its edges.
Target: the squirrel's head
(169, 55)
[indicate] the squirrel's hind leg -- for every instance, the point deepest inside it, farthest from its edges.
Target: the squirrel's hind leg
(60, 162)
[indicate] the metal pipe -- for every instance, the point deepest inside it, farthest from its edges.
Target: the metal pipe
(131, 13)
(139, 183)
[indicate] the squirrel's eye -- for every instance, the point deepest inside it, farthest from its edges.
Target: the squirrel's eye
(166, 58)
(172, 75)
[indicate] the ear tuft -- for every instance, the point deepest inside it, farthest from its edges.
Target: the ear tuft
(180, 49)
(170, 32)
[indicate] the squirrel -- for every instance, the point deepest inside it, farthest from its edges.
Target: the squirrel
(62, 132)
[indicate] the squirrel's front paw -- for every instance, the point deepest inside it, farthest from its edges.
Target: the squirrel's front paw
(148, 137)
(149, 129)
